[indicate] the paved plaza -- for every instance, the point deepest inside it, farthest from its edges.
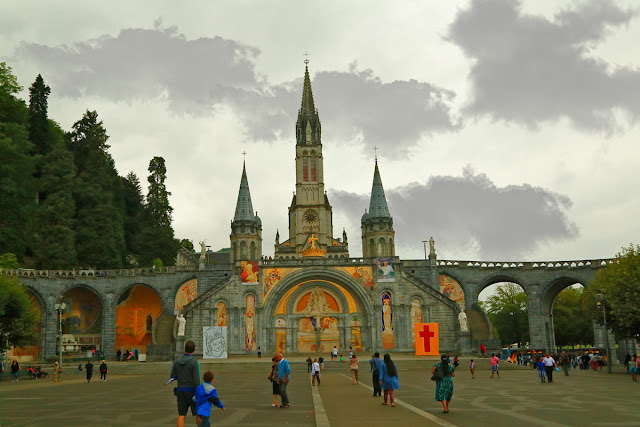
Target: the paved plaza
(135, 395)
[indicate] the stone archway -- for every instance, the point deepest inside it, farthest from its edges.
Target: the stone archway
(319, 307)
(134, 329)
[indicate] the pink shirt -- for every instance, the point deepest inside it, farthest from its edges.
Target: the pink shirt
(494, 361)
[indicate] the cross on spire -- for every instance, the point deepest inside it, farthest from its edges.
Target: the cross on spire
(306, 55)
(375, 150)
(244, 157)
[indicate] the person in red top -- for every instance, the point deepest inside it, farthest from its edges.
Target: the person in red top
(483, 350)
(494, 365)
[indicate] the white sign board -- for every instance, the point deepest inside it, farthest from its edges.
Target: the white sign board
(214, 342)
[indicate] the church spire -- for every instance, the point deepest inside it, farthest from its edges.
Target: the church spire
(244, 207)
(308, 123)
(378, 205)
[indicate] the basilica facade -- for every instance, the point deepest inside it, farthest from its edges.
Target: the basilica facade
(313, 295)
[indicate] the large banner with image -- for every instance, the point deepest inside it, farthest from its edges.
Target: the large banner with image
(214, 343)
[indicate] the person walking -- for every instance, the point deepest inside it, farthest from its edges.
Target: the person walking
(118, 355)
(472, 368)
(186, 370)
(89, 369)
(315, 372)
(321, 362)
(284, 370)
(549, 365)
(273, 377)
(309, 363)
(565, 362)
(444, 385)
(103, 371)
(206, 396)
(633, 367)
(259, 353)
(57, 372)
(334, 353)
(354, 365)
(388, 379)
(494, 365)
(541, 371)
(374, 364)
(15, 368)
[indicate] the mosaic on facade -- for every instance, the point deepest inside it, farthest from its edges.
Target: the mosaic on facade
(272, 276)
(281, 334)
(221, 314)
(82, 312)
(250, 327)
(315, 304)
(362, 275)
(249, 272)
(138, 308)
(385, 270)
(187, 293)
(450, 288)
(356, 333)
(388, 340)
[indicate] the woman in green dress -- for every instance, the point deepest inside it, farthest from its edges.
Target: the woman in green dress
(444, 386)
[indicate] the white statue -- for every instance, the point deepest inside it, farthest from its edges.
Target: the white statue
(462, 318)
(432, 246)
(203, 251)
(182, 324)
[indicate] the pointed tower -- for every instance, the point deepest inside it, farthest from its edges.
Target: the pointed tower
(310, 214)
(378, 237)
(246, 227)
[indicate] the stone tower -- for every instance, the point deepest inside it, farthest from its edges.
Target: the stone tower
(246, 227)
(378, 237)
(310, 212)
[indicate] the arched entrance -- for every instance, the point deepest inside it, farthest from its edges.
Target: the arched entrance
(34, 349)
(313, 311)
(81, 321)
(138, 308)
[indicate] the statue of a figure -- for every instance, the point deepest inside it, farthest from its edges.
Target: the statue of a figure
(203, 251)
(182, 324)
(462, 318)
(432, 246)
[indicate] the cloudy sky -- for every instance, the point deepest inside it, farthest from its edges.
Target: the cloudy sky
(507, 130)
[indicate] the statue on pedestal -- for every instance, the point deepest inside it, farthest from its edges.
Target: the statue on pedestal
(203, 252)
(432, 246)
(462, 318)
(182, 324)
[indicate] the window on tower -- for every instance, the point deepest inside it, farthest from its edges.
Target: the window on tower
(313, 169)
(305, 169)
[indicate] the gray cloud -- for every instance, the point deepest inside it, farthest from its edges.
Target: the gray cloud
(529, 70)
(196, 76)
(499, 222)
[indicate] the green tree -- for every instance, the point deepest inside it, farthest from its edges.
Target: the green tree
(100, 240)
(17, 166)
(9, 261)
(187, 244)
(508, 312)
(570, 322)
(158, 196)
(619, 283)
(39, 128)
(18, 319)
(134, 214)
(55, 235)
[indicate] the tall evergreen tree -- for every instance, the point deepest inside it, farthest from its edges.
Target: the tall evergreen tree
(158, 196)
(17, 186)
(39, 129)
(100, 233)
(134, 215)
(55, 234)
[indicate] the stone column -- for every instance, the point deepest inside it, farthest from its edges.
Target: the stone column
(539, 323)
(108, 327)
(600, 340)
(49, 334)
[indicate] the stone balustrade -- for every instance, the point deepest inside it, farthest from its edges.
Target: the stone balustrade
(24, 272)
(527, 265)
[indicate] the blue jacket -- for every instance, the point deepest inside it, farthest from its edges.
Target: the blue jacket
(205, 396)
(375, 364)
(387, 380)
(283, 369)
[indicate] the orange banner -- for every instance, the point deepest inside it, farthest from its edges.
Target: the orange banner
(427, 339)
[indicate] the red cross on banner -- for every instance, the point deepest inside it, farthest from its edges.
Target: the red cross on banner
(427, 339)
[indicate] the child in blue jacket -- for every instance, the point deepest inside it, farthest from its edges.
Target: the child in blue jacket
(205, 396)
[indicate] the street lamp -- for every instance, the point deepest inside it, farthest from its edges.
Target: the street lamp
(59, 309)
(602, 304)
(424, 242)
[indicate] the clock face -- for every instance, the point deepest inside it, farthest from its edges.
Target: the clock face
(310, 216)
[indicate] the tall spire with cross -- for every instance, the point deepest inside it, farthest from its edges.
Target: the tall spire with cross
(308, 124)
(378, 237)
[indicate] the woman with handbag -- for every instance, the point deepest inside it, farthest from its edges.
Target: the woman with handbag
(443, 376)
(273, 377)
(388, 378)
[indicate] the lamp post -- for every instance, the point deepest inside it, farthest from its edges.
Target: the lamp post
(59, 309)
(424, 242)
(602, 304)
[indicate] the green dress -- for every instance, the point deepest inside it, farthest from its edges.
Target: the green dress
(444, 387)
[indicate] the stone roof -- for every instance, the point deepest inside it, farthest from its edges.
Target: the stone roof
(307, 115)
(378, 205)
(244, 207)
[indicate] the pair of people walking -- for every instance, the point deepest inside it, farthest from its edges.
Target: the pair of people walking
(279, 377)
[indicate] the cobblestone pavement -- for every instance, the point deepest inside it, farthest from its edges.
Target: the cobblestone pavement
(135, 395)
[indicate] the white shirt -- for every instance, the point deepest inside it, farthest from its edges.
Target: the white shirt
(315, 368)
(548, 361)
(335, 351)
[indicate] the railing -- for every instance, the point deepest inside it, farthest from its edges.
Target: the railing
(528, 265)
(23, 272)
(312, 261)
